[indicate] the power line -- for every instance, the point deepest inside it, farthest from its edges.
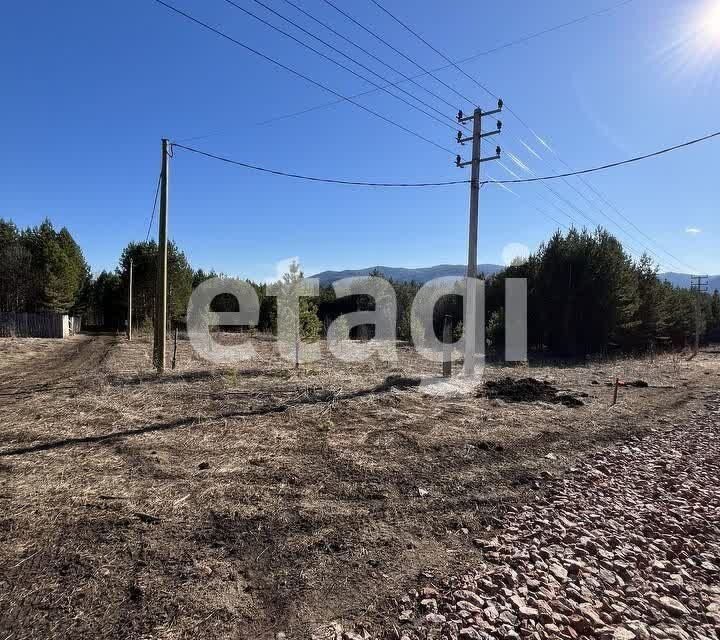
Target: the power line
(342, 66)
(595, 207)
(525, 124)
(516, 115)
(538, 209)
(537, 34)
(612, 164)
(315, 178)
(302, 75)
(343, 98)
(624, 217)
(152, 217)
(413, 78)
(440, 53)
(451, 182)
(484, 88)
(579, 211)
(387, 44)
(369, 53)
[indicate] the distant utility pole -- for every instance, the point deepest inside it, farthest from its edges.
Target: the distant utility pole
(130, 298)
(470, 298)
(698, 284)
(161, 288)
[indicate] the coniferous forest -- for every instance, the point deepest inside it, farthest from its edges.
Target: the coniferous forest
(586, 295)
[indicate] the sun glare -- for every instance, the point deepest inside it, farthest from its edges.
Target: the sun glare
(691, 57)
(709, 23)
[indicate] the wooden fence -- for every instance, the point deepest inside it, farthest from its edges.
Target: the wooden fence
(37, 325)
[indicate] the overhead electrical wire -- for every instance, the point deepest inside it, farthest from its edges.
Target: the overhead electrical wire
(610, 205)
(404, 25)
(152, 217)
(445, 119)
(537, 34)
(286, 174)
(422, 74)
(524, 123)
(447, 182)
(343, 98)
(574, 208)
(400, 53)
(369, 53)
(440, 53)
(538, 209)
(302, 75)
(593, 205)
(612, 164)
(484, 88)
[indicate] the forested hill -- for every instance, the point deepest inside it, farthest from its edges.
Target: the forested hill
(420, 275)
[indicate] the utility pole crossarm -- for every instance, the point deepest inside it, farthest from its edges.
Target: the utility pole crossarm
(498, 150)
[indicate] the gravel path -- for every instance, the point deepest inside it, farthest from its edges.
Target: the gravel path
(627, 546)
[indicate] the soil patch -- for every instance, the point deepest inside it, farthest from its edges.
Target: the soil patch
(528, 390)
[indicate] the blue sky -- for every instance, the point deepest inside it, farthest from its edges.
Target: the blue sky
(90, 88)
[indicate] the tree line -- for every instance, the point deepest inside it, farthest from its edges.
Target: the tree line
(586, 295)
(41, 269)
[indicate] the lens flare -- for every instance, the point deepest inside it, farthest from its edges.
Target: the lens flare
(709, 23)
(691, 56)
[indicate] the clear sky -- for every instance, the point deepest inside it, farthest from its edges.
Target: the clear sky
(90, 88)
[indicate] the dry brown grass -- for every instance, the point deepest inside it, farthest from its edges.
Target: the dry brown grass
(310, 508)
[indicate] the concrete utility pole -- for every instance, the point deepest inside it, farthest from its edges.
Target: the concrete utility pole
(699, 284)
(469, 323)
(161, 288)
(130, 298)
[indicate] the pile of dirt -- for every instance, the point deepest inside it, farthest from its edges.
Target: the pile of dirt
(528, 390)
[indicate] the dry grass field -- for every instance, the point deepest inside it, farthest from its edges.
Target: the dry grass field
(241, 502)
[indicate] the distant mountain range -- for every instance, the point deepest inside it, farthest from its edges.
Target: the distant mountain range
(401, 274)
(425, 274)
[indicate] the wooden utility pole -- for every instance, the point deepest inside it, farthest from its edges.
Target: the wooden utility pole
(470, 302)
(699, 284)
(161, 287)
(130, 298)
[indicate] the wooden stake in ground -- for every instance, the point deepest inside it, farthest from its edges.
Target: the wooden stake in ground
(130, 287)
(615, 391)
(174, 360)
(447, 348)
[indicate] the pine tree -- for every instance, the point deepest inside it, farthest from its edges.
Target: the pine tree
(303, 318)
(58, 263)
(715, 310)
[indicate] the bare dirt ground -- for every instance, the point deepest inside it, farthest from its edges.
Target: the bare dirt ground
(244, 502)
